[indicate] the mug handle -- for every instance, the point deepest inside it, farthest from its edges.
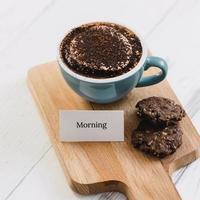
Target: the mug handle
(153, 61)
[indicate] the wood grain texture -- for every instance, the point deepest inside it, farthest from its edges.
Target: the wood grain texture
(112, 166)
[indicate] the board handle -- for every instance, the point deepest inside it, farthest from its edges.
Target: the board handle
(147, 190)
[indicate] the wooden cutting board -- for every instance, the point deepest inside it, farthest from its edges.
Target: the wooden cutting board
(110, 166)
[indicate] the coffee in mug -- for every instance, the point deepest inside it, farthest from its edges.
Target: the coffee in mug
(101, 50)
(102, 62)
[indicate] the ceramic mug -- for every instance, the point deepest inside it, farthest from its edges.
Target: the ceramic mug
(106, 90)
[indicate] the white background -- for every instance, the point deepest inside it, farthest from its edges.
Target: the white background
(29, 31)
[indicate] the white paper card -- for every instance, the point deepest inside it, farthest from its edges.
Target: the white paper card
(88, 125)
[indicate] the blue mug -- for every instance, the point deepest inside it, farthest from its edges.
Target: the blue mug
(108, 90)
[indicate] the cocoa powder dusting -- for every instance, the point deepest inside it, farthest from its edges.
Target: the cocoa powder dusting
(101, 50)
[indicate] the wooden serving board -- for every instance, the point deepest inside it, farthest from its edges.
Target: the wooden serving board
(110, 166)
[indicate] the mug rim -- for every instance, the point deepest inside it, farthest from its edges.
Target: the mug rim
(104, 80)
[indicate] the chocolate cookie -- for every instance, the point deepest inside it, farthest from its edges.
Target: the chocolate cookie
(157, 141)
(159, 110)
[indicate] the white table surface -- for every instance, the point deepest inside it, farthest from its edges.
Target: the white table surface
(29, 32)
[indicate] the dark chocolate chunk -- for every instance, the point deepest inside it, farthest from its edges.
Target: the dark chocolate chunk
(157, 141)
(159, 110)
